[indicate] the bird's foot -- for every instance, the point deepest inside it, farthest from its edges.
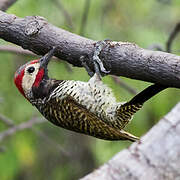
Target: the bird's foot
(99, 68)
(98, 65)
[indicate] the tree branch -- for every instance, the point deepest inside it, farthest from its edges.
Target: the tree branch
(84, 17)
(13, 128)
(65, 13)
(122, 58)
(6, 121)
(21, 51)
(156, 156)
(172, 36)
(20, 127)
(5, 4)
(124, 85)
(16, 50)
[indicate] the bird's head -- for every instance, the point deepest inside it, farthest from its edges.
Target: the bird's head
(31, 74)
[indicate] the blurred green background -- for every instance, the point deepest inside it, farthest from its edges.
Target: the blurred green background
(48, 152)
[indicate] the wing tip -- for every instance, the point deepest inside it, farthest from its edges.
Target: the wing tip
(129, 136)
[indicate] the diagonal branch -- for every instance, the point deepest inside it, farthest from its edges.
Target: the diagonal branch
(18, 50)
(25, 125)
(124, 85)
(13, 128)
(15, 50)
(67, 16)
(6, 120)
(84, 17)
(122, 58)
(172, 36)
(156, 156)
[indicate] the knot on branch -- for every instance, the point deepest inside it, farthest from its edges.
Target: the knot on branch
(34, 25)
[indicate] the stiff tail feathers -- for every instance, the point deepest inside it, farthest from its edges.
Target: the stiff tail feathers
(146, 94)
(127, 110)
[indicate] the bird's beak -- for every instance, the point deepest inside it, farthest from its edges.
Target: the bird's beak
(46, 58)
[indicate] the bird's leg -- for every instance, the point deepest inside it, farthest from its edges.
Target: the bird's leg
(98, 65)
(84, 64)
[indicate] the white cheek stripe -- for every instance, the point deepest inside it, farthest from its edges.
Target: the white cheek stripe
(29, 79)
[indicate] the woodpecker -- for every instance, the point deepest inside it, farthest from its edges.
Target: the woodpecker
(84, 107)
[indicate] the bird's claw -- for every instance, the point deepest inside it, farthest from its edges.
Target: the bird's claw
(99, 68)
(85, 65)
(98, 65)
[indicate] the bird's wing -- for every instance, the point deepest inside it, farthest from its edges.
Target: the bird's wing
(71, 115)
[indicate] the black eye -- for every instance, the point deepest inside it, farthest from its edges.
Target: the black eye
(31, 69)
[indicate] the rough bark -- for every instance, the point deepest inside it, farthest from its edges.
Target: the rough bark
(155, 157)
(122, 58)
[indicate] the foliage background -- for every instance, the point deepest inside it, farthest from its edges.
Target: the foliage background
(48, 152)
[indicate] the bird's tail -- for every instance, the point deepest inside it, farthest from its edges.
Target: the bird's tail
(146, 94)
(125, 112)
